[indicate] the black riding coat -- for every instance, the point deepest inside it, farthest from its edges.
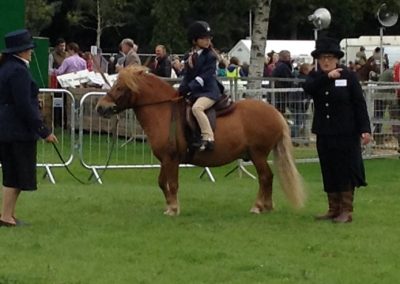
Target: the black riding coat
(20, 118)
(340, 117)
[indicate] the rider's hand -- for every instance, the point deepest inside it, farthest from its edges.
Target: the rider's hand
(51, 138)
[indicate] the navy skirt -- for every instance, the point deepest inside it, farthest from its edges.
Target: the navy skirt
(18, 164)
(341, 162)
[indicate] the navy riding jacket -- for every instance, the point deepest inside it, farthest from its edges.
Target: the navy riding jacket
(201, 80)
(20, 118)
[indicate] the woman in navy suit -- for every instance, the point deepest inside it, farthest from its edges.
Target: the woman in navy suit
(199, 83)
(20, 123)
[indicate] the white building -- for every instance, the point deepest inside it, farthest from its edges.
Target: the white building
(299, 49)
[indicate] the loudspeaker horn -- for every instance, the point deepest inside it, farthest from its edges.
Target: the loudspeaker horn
(386, 17)
(321, 18)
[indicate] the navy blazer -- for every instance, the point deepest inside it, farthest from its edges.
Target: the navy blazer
(20, 118)
(204, 68)
(339, 104)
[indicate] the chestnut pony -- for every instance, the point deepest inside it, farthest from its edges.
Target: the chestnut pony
(252, 130)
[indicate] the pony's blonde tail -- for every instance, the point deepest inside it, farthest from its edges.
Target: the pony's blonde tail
(288, 175)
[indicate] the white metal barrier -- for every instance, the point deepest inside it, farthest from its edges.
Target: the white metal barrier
(132, 152)
(58, 108)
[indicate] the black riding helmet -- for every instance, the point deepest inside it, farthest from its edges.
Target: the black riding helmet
(198, 29)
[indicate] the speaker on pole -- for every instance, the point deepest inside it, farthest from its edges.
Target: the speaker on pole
(387, 18)
(321, 19)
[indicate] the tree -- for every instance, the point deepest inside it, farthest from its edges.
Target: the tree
(39, 14)
(168, 30)
(99, 15)
(258, 41)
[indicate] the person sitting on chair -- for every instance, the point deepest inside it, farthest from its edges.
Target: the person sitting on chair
(199, 83)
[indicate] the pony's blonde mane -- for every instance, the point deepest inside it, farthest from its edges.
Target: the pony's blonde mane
(131, 75)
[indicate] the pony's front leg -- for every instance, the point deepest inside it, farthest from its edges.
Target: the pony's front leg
(168, 182)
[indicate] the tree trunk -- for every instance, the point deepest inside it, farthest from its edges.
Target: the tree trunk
(98, 31)
(258, 43)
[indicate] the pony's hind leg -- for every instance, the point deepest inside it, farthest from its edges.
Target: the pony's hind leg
(265, 177)
(168, 182)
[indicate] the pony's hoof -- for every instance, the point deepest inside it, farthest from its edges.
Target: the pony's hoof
(255, 210)
(171, 212)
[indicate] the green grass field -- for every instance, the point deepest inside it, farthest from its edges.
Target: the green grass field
(116, 232)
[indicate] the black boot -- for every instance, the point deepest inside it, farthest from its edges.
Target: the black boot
(206, 145)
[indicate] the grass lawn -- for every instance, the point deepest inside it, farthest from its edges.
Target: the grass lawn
(116, 232)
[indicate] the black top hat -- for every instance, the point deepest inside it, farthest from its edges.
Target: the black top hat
(18, 41)
(327, 45)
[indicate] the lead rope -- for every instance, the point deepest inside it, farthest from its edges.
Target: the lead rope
(108, 158)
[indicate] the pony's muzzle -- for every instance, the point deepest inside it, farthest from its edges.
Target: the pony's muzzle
(106, 111)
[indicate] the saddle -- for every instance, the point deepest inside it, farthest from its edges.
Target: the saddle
(222, 107)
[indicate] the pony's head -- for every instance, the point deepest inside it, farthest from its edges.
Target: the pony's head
(123, 93)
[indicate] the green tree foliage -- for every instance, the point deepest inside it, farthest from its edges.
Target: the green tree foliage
(39, 14)
(99, 15)
(167, 28)
(150, 22)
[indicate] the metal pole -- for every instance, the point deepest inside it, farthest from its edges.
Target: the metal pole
(316, 37)
(381, 46)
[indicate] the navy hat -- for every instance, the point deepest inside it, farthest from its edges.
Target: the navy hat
(197, 30)
(327, 45)
(18, 41)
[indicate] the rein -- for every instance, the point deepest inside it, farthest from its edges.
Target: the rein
(172, 100)
(108, 158)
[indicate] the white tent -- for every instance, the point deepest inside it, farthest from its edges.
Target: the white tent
(299, 49)
(390, 44)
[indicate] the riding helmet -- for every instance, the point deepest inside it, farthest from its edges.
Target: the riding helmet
(198, 29)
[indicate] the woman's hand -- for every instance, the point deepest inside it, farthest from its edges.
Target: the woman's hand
(335, 73)
(51, 138)
(365, 138)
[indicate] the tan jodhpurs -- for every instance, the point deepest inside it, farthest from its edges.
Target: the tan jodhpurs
(198, 109)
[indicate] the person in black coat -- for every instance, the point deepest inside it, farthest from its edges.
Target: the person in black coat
(199, 83)
(162, 64)
(340, 121)
(283, 69)
(20, 123)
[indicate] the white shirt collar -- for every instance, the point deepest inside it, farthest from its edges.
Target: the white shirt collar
(23, 59)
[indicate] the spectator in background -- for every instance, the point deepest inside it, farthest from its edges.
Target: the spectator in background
(73, 63)
(177, 66)
(283, 69)
(88, 57)
(244, 70)
(116, 61)
(233, 69)
(58, 55)
(221, 68)
(273, 59)
(56, 58)
(361, 57)
(299, 104)
(161, 65)
(129, 48)
(381, 103)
